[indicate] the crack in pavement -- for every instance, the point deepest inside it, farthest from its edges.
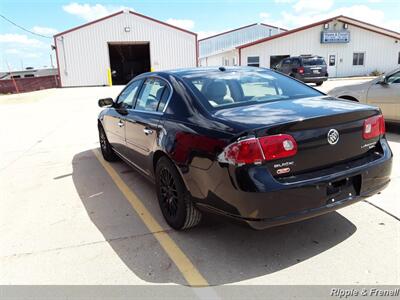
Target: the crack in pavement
(381, 209)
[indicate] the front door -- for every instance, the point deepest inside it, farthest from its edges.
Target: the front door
(332, 65)
(387, 97)
(142, 125)
(114, 123)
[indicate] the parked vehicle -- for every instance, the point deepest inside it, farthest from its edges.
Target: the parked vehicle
(248, 143)
(383, 91)
(310, 69)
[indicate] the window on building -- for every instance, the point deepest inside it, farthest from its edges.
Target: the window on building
(332, 60)
(253, 61)
(358, 59)
(398, 61)
(225, 61)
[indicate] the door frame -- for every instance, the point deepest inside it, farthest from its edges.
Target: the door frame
(329, 67)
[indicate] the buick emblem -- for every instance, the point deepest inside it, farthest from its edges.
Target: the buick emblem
(333, 136)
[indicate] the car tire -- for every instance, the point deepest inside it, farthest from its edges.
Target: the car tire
(105, 147)
(319, 83)
(173, 197)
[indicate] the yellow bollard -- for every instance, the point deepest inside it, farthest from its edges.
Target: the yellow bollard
(109, 77)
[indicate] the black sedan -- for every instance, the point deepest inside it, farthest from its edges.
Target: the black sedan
(247, 143)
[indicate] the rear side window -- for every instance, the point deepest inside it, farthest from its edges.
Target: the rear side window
(152, 94)
(295, 62)
(314, 61)
(236, 88)
(164, 98)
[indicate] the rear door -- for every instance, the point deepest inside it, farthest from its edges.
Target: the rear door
(387, 97)
(114, 122)
(142, 122)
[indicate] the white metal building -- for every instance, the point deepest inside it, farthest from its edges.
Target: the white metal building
(123, 44)
(350, 47)
(220, 49)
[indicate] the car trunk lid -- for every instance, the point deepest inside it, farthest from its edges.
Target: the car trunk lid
(326, 131)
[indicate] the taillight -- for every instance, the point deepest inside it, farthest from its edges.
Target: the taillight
(300, 70)
(246, 151)
(256, 150)
(278, 146)
(373, 127)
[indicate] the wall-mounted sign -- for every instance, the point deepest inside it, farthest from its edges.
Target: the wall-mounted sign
(329, 37)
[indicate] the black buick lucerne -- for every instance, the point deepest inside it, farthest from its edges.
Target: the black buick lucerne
(248, 143)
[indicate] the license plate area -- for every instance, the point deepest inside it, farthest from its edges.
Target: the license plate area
(344, 188)
(316, 71)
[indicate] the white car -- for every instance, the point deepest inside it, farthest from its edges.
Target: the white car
(383, 91)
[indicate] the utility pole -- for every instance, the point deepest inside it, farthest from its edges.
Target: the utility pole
(51, 61)
(12, 77)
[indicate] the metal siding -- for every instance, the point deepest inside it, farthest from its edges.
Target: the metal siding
(381, 52)
(216, 60)
(233, 39)
(86, 49)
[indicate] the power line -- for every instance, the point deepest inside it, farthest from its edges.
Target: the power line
(27, 30)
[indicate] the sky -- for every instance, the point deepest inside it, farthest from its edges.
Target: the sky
(20, 49)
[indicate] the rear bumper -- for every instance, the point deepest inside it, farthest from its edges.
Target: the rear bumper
(310, 213)
(269, 202)
(312, 79)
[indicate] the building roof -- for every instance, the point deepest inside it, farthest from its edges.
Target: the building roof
(240, 28)
(342, 18)
(118, 13)
(39, 72)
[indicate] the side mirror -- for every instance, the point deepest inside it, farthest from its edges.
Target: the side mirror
(106, 102)
(383, 80)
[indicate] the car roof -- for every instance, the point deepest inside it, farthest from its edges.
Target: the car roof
(183, 72)
(308, 56)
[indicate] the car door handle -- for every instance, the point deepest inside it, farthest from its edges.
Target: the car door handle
(120, 123)
(147, 131)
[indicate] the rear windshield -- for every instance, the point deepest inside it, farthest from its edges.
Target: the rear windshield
(245, 87)
(314, 61)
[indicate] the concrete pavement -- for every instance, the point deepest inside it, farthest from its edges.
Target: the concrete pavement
(64, 220)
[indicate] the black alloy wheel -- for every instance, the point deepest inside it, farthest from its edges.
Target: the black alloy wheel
(174, 199)
(105, 147)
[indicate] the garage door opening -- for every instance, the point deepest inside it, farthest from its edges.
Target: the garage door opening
(276, 59)
(128, 61)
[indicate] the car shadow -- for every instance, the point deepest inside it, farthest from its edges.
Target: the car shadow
(223, 252)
